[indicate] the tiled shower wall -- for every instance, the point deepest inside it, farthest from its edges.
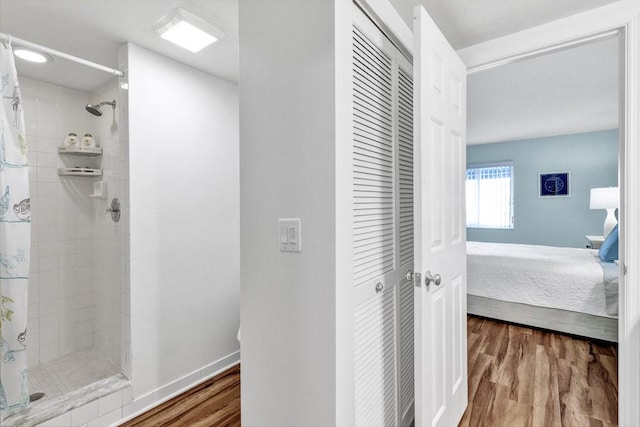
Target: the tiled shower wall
(74, 290)
(106, 232)
(61, 298)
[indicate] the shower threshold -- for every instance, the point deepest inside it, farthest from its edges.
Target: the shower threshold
(67, 383)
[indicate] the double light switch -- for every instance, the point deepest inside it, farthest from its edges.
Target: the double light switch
(290, 235)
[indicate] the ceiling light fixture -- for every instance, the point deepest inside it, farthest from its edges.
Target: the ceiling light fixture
(187, 30)
(31, 55)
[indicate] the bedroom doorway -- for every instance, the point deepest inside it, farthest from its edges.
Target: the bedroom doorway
(569, 129)
(548, 120)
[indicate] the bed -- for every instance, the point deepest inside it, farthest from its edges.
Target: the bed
(563, 289)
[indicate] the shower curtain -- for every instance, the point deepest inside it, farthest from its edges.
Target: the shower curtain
(15, 239)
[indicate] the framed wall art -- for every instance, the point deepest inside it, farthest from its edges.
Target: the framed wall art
(554, 184)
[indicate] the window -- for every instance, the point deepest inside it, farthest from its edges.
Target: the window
(490, 195)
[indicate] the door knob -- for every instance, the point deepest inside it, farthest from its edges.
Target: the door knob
(429, 279)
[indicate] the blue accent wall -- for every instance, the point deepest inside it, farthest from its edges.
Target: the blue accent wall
(592, 159)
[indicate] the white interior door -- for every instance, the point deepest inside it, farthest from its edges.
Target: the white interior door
(440, 239)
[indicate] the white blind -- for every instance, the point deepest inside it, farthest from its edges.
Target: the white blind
(490, 196)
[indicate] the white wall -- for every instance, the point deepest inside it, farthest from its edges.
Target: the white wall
(287, 157)
(184, 219)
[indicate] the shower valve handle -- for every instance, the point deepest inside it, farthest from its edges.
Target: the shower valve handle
(114, 210)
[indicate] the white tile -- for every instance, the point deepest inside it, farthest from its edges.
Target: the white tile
(108, 419)
(68, 261)
(48, 234)
(47, 204)
(127, 395)
(47, 249)
(86, 313)
(110, 403)
(86, 300)
(63, 420)
(86, 342)
(47, 160)
(49, 352)
(69, 275)
(49, 278)
(48, 263)
(68, 247)
(49, 331)
(48, 174)
(48, 293)
(85, 413)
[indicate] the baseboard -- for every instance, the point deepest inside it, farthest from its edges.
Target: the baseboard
(167, 392)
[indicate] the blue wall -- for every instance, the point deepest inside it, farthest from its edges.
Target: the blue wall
(592, 159)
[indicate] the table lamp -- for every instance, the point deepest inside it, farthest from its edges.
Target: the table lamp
(606, 198)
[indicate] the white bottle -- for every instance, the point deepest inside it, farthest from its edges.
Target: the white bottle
(71, 140)
(88, 141)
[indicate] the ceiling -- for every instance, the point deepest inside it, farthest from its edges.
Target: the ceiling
(95, 29)
(569, 91)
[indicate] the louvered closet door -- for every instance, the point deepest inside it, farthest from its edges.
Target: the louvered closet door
(404, 123)
(382, 227)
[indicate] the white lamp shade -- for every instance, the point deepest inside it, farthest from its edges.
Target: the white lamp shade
(605, 198)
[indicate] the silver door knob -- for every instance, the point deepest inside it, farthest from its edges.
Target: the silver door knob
(429, 279)
(409, 275)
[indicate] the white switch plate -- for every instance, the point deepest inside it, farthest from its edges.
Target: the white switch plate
(290, 234)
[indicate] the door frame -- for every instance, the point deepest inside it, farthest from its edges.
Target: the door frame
(624, 17)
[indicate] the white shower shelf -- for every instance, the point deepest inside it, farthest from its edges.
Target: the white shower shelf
(80, 151)
(79, 172)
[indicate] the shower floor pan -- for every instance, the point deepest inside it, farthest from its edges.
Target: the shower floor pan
(67, 382)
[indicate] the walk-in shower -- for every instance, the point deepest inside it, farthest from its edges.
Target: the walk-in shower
(72, 338)
(95, 109)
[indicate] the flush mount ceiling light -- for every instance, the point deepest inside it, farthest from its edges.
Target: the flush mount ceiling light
(31, 55)
(187, 30)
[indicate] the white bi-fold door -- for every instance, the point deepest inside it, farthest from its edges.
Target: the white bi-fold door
(382, 228)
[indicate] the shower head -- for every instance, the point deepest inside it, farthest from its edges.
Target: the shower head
(95, 108)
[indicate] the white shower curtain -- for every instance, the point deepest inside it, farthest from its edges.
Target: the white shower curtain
(15, 239)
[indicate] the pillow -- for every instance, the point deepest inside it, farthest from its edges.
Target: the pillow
(609, 249)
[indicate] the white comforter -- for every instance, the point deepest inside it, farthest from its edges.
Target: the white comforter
(564, 278)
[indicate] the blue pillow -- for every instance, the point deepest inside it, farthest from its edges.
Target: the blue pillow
(609, 249)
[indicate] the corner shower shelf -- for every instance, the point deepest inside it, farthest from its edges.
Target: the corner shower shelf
(80, 151)
(79, 172)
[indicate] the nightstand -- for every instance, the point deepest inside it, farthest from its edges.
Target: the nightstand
(594, 242)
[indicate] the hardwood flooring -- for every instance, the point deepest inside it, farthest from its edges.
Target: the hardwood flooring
(213, 403)
(520, 376)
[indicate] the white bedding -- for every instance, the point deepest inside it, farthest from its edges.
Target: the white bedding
(563, 278)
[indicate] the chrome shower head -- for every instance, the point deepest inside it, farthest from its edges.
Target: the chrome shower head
(95, 108)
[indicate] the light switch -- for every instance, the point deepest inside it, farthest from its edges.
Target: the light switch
(284, 238)
(293, 235)
(290, 234)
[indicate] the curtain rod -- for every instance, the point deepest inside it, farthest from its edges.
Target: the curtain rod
(28, 44)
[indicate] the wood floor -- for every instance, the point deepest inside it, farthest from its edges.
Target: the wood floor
(213, 403)
(525, 377)
(518, 376)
